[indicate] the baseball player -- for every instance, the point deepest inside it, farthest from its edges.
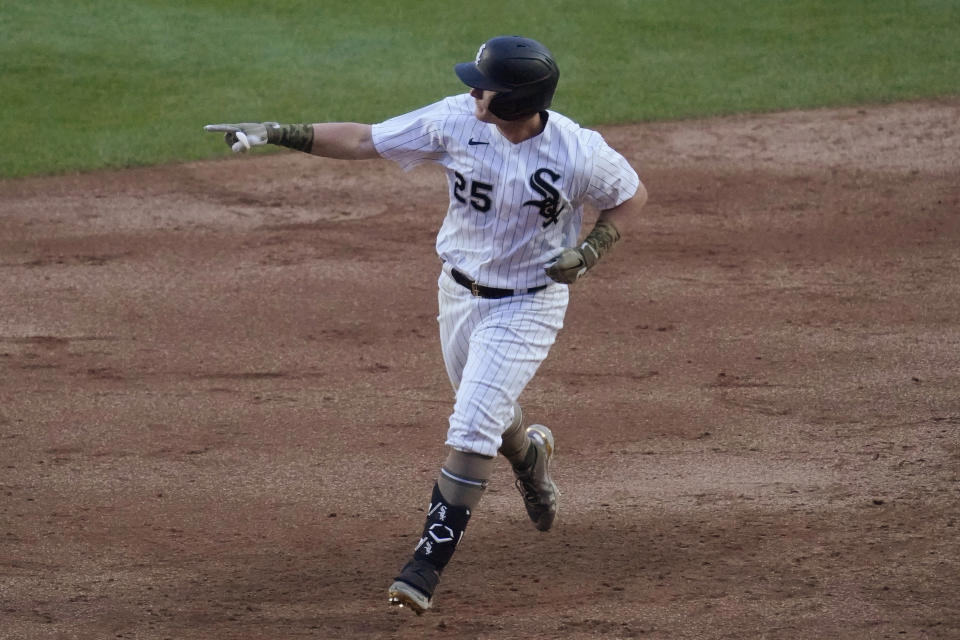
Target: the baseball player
(518, 177)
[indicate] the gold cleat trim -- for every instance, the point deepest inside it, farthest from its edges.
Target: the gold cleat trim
(400, 598)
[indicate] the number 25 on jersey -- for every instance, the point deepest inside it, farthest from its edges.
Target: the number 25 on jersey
(478, 192)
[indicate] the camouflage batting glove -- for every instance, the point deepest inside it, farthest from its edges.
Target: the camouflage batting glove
(242, 136)
(573, 263)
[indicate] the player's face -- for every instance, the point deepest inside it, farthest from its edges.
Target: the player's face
(482, 99)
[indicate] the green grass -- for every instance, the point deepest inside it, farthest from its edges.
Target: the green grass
(86, 84)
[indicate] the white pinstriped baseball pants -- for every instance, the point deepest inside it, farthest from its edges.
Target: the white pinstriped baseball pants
(492, 349)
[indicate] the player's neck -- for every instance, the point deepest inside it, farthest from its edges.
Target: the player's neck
(516, 131)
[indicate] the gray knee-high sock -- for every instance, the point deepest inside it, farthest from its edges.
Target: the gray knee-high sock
(463, 478)
(515, 443)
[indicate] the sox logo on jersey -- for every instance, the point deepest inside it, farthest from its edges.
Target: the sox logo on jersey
(551, 206)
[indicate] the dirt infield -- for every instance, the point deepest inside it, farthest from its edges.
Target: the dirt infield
(223, 400)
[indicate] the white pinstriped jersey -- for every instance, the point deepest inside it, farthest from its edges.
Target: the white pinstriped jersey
(513, 207)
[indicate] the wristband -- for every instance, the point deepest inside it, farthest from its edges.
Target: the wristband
(599, 242)
(294, 136)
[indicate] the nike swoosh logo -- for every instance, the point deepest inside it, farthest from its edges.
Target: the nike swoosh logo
(473, 142)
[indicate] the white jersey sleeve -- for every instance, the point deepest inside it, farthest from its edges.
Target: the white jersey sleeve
(612, 181)
(415, 137)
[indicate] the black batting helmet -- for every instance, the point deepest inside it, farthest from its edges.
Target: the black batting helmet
(522, 72)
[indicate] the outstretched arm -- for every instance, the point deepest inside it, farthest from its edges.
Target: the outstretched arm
(344, 140)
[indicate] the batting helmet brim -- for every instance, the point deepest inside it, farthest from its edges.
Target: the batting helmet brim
(471, 76)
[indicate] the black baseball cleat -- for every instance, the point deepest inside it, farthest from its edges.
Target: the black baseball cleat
(540, 494)
(414, 587)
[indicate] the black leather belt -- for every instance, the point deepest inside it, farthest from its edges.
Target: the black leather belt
(482, 291)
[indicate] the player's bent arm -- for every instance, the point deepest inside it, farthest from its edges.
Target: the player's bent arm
(626, 215)
(573, 263)
(611, 225)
